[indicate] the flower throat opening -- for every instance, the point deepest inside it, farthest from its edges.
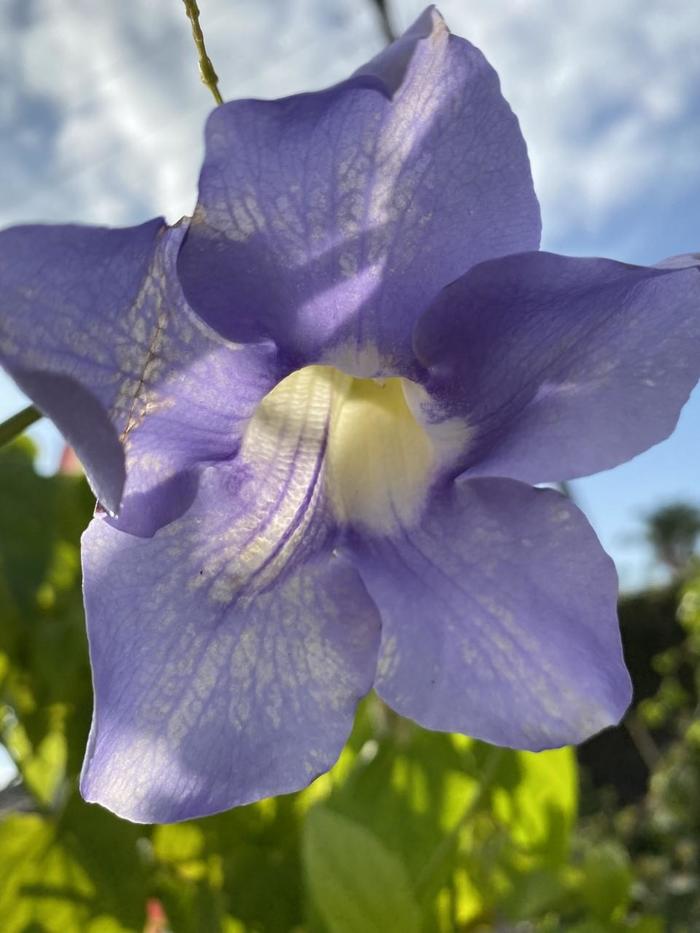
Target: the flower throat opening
(358, 437)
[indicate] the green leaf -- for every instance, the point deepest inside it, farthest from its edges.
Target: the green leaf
(410, 789)
(356, 884)
(534, 893)
(607, 881)
(45, 677)
(180, 842)
(43, 887)
(105, 924)
(590, 926)
(248, 852)
(43, 766)
(540, 809)
(646, 925)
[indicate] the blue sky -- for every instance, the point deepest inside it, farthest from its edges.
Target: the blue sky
(101, 115)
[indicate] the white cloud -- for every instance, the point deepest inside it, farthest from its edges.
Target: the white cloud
(112, 95)
(604, 92)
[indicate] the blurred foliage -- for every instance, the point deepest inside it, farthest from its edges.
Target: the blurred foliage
(673, 531)
(413, 832)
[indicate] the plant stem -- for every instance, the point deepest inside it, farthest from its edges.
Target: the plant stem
(206, 69)
(18, 423)
(643, 741)
(384, 20)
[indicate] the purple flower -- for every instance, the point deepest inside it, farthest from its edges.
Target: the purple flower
(321, 474)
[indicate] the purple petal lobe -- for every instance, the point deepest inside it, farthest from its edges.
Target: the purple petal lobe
(60, 289)
(229, 649)
(559, 367)
(94, 328)
(684, 261)
(194, 396)
(85, 425)
(499, 617)
(328, 221)
(392, 63)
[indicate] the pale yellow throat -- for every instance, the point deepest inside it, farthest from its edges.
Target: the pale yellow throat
(358, 437)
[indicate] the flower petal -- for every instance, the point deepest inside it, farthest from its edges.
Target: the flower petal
(328, 221)
(498, 617)
(684, 261)
(94, 328)
(228, 650)
(59, 288)
(558, 367)
(194, 398)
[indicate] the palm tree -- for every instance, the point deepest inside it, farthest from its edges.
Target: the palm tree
(673, 530)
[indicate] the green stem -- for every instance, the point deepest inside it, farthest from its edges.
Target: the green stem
(451, 840)
(18, 423)
(206, 69)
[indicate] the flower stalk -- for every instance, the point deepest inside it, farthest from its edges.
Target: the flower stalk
(384, 20)
(18, 423)
(206, 68)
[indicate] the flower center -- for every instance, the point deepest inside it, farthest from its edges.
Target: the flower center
(358, 437)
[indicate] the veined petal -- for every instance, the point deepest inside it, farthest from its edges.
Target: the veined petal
(228, 650)
(328, 221)
(94, 328)
(498, 617)
(193, 400)
(557, 367)
(378, 461)
(60, 289)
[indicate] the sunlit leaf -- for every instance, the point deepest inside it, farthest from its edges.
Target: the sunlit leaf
(179, 842)
(43, 766)
(42, 884)
(410, 788)
(540, 809)
(357, 885)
